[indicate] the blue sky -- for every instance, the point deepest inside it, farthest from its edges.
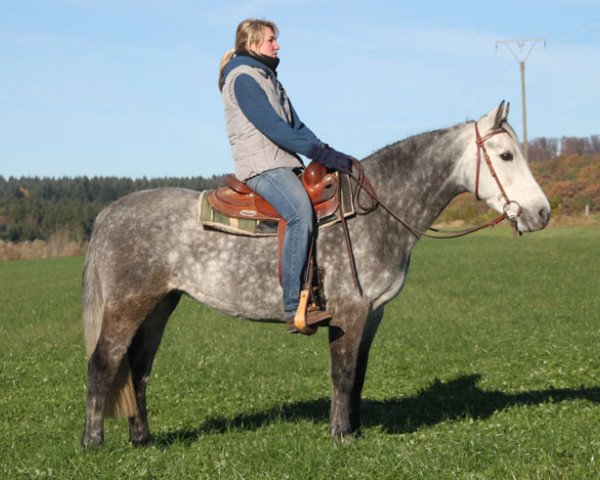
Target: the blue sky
(128, 88)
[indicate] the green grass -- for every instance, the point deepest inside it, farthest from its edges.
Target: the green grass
(486, 367)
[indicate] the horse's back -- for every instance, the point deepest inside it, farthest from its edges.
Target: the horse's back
(148, 205)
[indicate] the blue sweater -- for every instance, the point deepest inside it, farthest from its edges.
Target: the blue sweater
(294, 137)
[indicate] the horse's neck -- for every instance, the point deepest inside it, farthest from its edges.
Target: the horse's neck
(415, 177)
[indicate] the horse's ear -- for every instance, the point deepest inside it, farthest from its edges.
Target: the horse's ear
(501, 114)
(494, 119)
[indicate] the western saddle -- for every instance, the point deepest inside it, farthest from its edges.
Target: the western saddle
(237, 200)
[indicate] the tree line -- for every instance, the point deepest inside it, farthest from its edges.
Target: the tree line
(543, 148)
(33, 208)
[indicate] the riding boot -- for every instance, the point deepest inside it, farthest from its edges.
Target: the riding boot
(314, 319)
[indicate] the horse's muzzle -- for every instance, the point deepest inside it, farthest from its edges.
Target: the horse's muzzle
(534, 220)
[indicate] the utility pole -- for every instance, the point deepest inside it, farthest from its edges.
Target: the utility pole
(521, 58)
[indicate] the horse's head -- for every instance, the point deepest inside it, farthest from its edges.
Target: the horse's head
(498, 173)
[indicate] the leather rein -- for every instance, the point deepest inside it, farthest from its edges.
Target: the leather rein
(364, 184)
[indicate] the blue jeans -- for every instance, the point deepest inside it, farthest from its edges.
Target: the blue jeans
(286, 194)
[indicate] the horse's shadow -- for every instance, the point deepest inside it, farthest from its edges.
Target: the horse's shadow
(456, 399)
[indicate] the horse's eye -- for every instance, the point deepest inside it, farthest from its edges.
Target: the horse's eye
(507, 157)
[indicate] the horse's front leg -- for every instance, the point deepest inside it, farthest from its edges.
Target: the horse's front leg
(371, 326)
(347, 376)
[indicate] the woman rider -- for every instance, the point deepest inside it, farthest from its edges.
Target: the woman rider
(266, 136)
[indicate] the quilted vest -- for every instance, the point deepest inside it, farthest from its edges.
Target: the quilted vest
(252, 151)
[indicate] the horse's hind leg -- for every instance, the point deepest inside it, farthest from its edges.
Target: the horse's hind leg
(141, 356)
(120, 321)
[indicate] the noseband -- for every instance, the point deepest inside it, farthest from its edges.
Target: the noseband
(480, 141)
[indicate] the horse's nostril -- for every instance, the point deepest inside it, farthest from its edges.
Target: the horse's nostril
(544, 214)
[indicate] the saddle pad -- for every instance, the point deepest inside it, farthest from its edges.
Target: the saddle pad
(213, 219)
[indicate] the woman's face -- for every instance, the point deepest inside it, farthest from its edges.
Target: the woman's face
(269, 45)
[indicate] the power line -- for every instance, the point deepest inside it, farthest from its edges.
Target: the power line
(581, 33)
(522, 57)
(594, 20)
(580, 36)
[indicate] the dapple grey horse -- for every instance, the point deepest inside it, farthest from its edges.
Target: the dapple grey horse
(148, 248)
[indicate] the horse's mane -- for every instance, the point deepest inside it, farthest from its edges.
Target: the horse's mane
(407, 151)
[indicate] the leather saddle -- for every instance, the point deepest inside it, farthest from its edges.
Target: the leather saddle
(237, 200)
(331, 197)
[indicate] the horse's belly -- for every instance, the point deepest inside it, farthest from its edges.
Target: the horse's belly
(239, 302)
(241, 286)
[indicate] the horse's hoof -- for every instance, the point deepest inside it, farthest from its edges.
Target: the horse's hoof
(142, 442)
(344, 439)
(92, 441)
(343, 435)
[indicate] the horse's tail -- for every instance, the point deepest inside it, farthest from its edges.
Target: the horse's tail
(120, 401)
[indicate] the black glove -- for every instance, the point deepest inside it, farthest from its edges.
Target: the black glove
(330, 158)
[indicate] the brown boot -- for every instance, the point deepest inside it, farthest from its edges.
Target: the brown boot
(314, 318)
(291, 328)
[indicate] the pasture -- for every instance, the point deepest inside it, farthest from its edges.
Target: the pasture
(485, 367)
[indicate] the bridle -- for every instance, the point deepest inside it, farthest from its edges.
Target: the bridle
(480, 141)
(363, 184)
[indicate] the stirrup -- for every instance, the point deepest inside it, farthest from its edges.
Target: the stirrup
(308, 318)
(300, 317)
(298, 323)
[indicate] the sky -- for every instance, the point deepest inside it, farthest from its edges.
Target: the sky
(128, 88)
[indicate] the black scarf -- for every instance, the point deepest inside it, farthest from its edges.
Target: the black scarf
(269, 62)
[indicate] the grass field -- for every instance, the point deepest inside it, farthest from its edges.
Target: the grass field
(486, 367)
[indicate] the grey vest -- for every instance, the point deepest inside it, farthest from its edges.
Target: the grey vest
(252, 151)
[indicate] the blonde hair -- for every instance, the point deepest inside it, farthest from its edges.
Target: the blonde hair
(249, 35)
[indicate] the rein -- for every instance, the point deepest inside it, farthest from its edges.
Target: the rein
(364, 184)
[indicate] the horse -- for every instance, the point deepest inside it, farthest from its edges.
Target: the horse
(147, 249)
